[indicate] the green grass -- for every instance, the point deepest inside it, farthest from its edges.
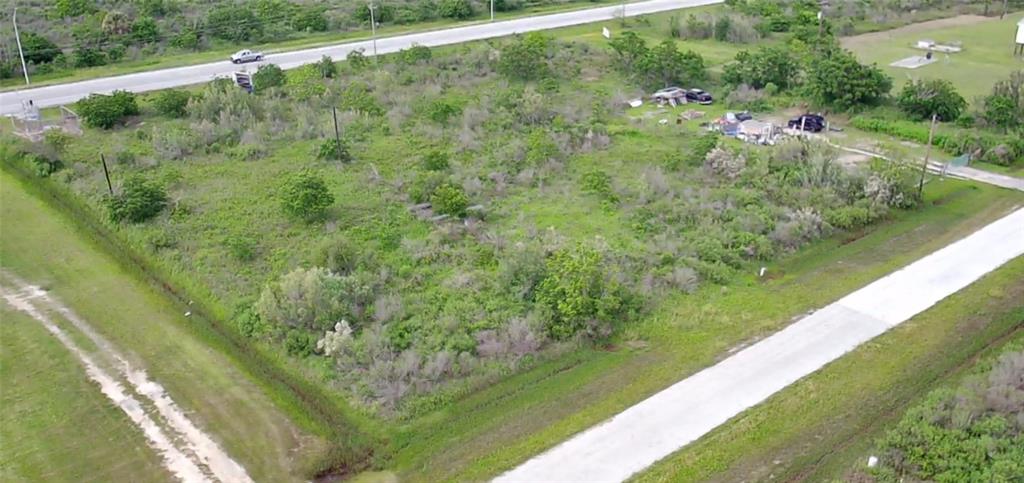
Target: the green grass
(816, 428)
(222, 50)
(496, 428)
(138, 319)
(987, 56)
(56, 425)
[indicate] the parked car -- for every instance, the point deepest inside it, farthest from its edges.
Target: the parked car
(744, 116)
(699, 96)
(243, 56)
(666, 95)
(808, 122)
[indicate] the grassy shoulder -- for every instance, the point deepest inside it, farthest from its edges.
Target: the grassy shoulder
(816, 427)
(56, 425)
(222, 50)
(204, 381)
(497, 428)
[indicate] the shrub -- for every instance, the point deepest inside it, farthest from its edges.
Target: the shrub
(701, 147)
(457, 9)
(848, 217)
(415, 54)
(525, 57)
(70, 8)
(138, 201)
(435, 160)
(357, 60)
(335, 149)
(837, 79)
(242, 248)
(172, 102)
(326, 67)
(313, 299)
(268, 76)
(577, 291)
(664, 65)
(187, 39)
(304, 195)
(310, 19)
(599, 183)
(922, 98)
(85, 56)
(449, 199)
(299, 344)
(145, 30)
(38, 49)
(233, 22)
(769, 65)
(104, 111)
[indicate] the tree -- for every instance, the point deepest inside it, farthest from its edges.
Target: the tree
(769, 65)
(835, 78)
(172, 102)
(145, 30)
(70, 8)
(138, 201)
(310, 19)
(525, 58)
(233, 22)
(38, 49)
(664, 65)
(85, 56)
(449, 199)
(187, 38)
(629, 48)
(305, 196)
(922, 98)
(326, 67)
(457, 9)
(105, 111)
(267, 76)
(1004, 108)
(116, 23)
(357, 60)
(335, 149)
(577, 291)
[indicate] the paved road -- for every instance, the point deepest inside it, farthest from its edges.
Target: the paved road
(674, 417)
(10, 102)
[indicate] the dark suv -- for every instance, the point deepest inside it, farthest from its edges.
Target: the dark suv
(699, 96)
(809, 122)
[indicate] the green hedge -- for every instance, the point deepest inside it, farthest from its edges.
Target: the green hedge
(983, 146)
(352, 445)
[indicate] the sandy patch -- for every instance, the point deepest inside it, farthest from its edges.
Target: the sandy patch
(188, 452)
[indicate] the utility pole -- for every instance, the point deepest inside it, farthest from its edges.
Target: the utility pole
(373, 33)
(337, 134)
(492, 10)
(106, 173)
(927, 154)
(21, 54)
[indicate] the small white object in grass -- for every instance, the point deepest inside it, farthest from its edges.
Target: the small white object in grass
(663, 122)
(872, 461)
(761, 273)
(607, 33)
(188, 314)
(636, 103)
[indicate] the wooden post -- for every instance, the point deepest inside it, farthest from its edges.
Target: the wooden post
(106, 173)
(927, 154)
(337, 134)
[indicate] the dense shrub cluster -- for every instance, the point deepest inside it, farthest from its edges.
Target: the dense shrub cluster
(981, 145)
(105, 112)
(659, 66)
(138, 200)
(921, 99)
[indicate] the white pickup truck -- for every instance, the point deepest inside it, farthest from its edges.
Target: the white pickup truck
(243, 56)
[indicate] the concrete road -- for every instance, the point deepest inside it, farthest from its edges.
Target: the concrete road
(674, 417)
(10, 102)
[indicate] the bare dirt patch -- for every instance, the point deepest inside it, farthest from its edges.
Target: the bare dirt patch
(957, 21)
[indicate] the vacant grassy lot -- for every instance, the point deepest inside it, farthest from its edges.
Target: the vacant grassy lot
(55, 424)
(814, 429)
(987, 56)
(48, 251)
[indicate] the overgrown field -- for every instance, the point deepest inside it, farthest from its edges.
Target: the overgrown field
(493, 253)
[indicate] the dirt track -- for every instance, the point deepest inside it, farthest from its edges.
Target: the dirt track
(188, 452)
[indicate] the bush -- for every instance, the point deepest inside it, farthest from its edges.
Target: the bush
(457, 9)
(233, 22)
(38, 49)
(357, 60)
(838, 79)
(268, 76)
(525, 57)
(922, 98)
(88, 57)
(415, 55)
(313, 299)
(577, 291)
(145, 30)
(449, 199)
(326, 67)
(848, 217)
(435, 160)
(599, 183)
(242, 248)
(769, 65)
(701, 147)
(172, 102)
(304, 195)
(980, 145)
(138, 201)
(335, 149)
(664, 65)
(310, 19)
(104, 111)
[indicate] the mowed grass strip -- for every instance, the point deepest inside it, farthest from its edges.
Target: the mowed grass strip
(821, 425)
(503, 425)
(987, 55)
(41, 246)
(56, 425)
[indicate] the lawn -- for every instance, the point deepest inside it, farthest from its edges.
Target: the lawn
(55, 424)
(818, 427)
(208, 384)
(987, 55)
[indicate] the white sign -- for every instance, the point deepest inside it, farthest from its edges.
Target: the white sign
(1020, 31)
(608, 33)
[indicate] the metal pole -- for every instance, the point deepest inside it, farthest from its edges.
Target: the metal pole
(492, 10)
(20, 53)
(927, 154)
(337, 136)
(373, 32)
(106, 173)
